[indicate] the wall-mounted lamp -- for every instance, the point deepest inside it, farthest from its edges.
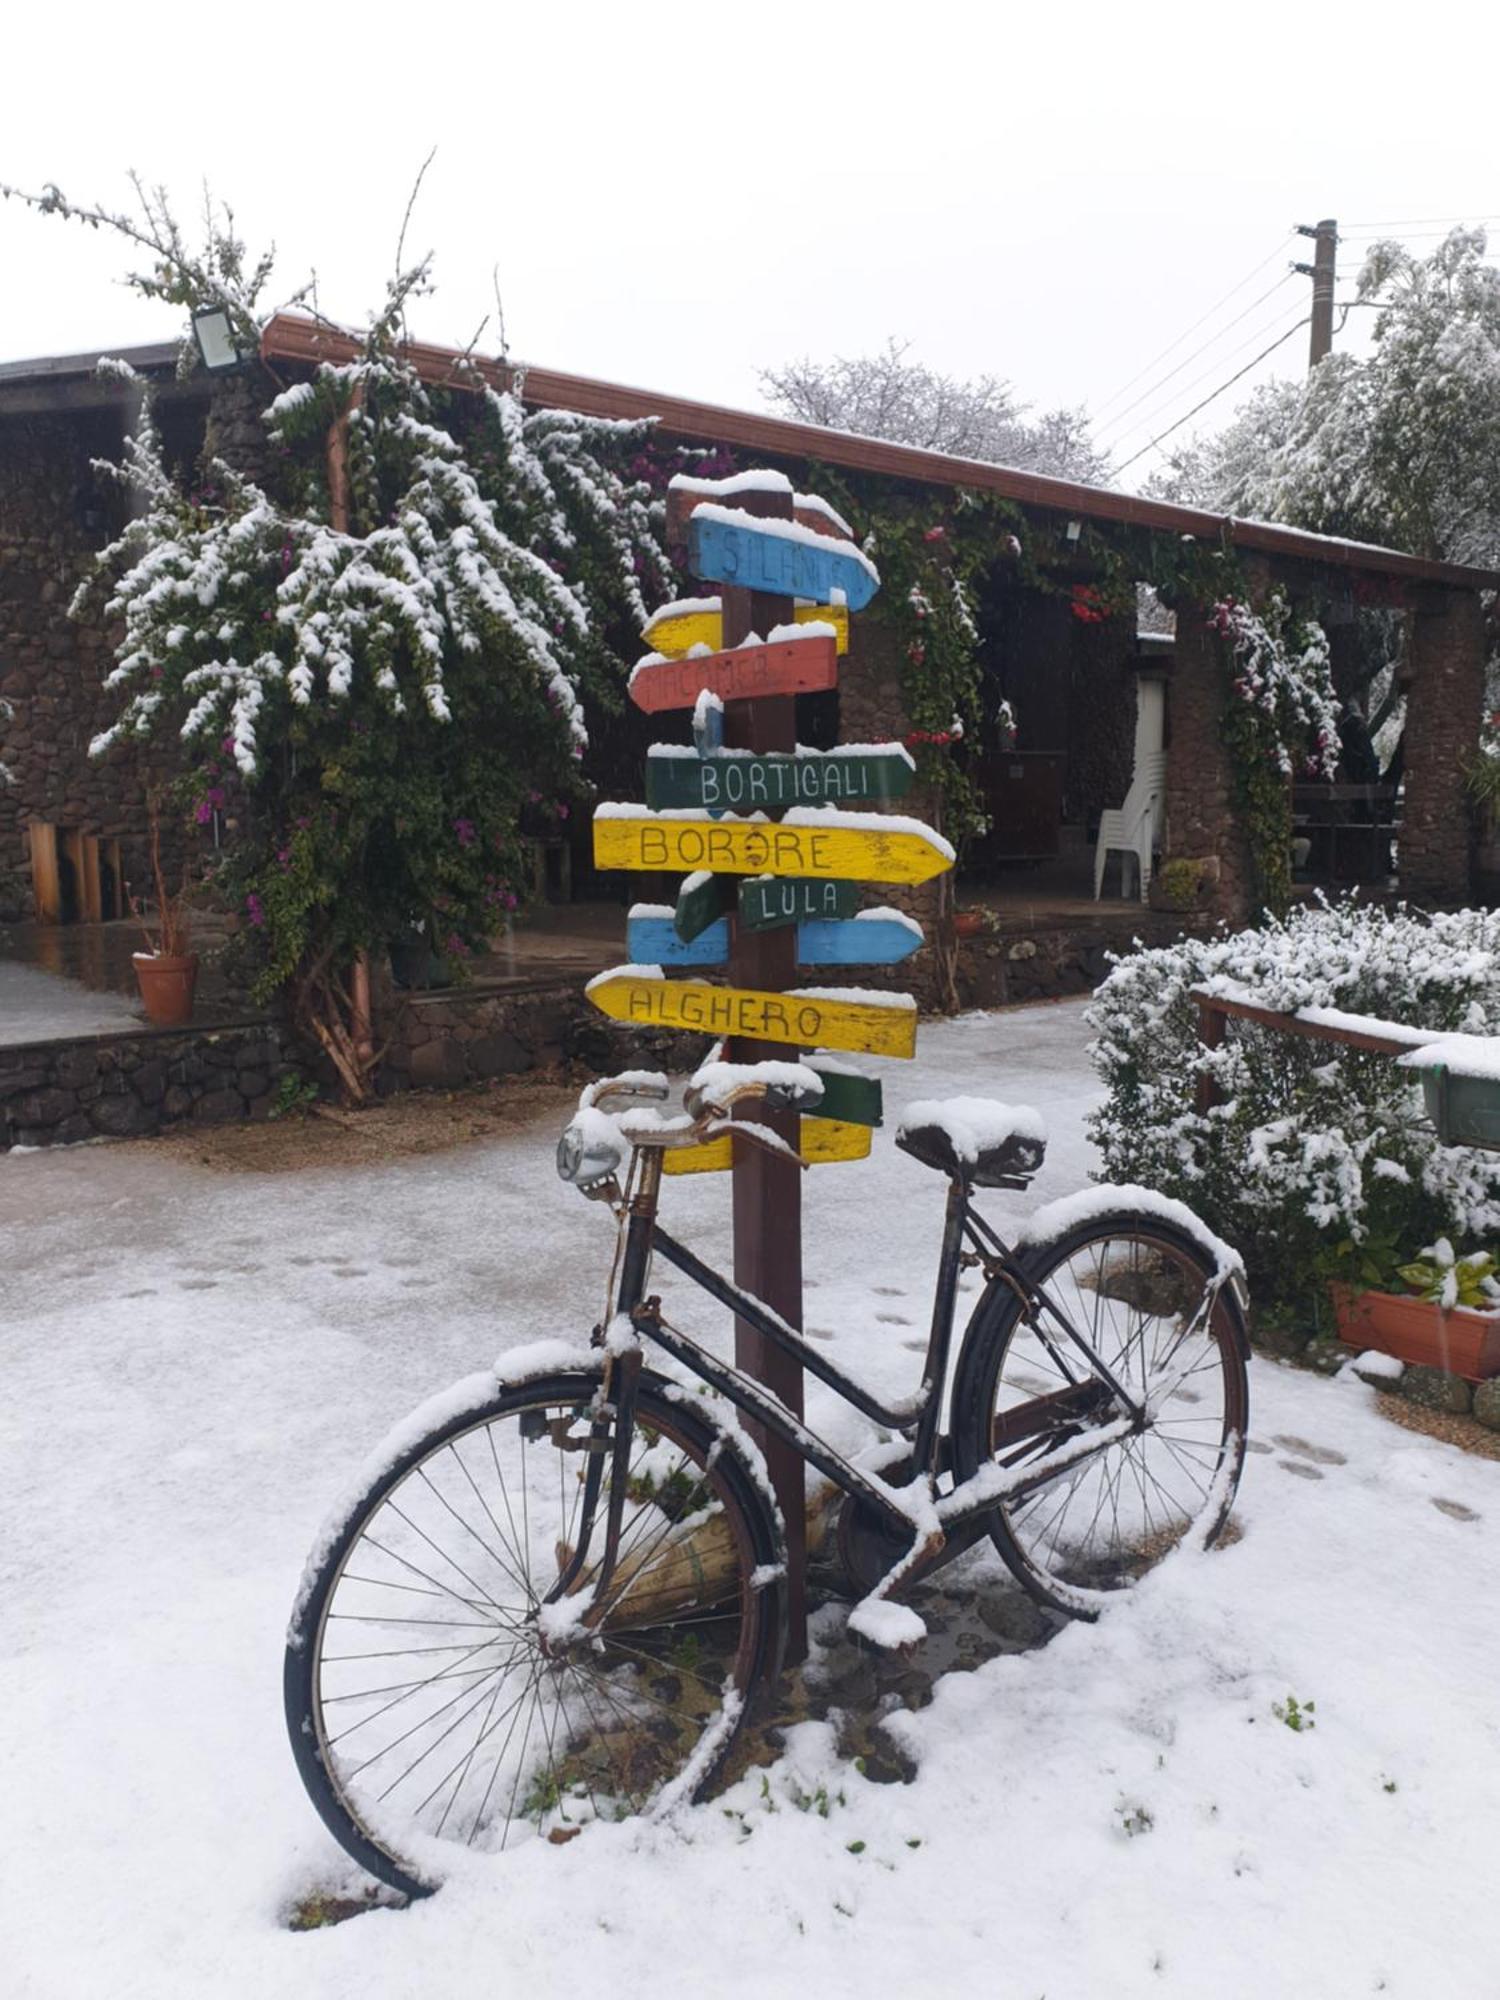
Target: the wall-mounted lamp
(213, 330)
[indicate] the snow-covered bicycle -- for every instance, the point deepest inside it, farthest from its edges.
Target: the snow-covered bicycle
(552, 1595)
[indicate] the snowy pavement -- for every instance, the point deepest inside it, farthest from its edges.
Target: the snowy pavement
(41, 1006)
(193, 1363)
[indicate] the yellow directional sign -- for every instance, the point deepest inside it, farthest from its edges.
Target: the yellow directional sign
(814, 1018)
(861, 847)
(823, 1141)
(675, 633)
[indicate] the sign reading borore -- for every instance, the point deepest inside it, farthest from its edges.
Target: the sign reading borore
(875, 850)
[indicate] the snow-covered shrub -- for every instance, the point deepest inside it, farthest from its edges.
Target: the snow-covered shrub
(1312, 1145)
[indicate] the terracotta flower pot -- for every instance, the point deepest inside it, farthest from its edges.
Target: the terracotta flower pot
(1460, 1342)
(967, 923)
(167, 986)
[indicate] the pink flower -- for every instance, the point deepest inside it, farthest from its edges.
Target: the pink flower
(204, 812)
(255, 909)
(464, 829)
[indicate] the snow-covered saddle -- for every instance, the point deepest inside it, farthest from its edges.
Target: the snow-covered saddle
(977, 1139)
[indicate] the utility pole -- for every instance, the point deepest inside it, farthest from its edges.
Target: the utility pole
(1325, 237)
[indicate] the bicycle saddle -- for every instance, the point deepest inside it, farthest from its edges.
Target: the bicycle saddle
(976, 1139)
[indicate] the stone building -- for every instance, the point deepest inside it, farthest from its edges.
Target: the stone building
(71, 830)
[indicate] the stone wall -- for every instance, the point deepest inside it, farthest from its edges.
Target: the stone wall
(1445, 692)
(121, 1086)
(468, 1034)
(1010, 966)
(871, 711)
(52, 667)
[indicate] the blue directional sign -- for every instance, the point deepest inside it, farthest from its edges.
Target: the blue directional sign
(652, 939)
(725, 546)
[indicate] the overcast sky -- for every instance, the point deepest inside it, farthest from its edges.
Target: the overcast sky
(676, 195)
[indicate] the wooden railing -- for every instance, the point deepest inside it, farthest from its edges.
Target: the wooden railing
(1216, 1010)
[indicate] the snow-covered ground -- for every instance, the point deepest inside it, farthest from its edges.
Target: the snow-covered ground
(39, 1006)
(193, 1362)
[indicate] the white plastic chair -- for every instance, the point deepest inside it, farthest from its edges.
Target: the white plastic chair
(1136, 827)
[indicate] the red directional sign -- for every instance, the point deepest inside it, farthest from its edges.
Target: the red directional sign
(748, 673)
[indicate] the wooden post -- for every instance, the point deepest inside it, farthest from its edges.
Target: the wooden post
(361, 1028)
(767, 1195)
(1211, 1026)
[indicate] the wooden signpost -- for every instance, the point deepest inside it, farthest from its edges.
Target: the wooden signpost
(699, 621)
(735, 782)
(764, 894)
(748, 673)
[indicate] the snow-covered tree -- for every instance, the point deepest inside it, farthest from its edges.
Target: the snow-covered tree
(392, 692)
(1402, 447)
(887, 395)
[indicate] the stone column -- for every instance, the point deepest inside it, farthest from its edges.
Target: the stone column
(1444, 695)
(871, 711)
(1203, 824)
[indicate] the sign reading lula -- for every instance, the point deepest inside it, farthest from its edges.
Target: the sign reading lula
(737, 781)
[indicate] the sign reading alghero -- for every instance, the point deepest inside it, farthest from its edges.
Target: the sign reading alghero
(809, 1020)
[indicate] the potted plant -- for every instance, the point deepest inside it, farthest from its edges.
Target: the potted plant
(1449, 1318)
(167, 970)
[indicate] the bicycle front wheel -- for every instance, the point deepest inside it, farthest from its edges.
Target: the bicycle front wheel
(433, 1694)
(1148, 1299)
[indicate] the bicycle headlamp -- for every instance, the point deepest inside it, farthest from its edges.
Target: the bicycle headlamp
(569, 1153)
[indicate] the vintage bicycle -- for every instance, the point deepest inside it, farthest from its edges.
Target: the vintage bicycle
(554, 1593)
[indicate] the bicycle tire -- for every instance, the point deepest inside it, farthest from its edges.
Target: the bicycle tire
(1142, 1508)
(643, 1710)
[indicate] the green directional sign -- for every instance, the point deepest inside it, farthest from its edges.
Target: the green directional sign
(737, 782)
(701, 901)
(847, 1094)
(769, 901)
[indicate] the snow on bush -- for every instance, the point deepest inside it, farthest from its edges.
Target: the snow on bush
(1311, 1145)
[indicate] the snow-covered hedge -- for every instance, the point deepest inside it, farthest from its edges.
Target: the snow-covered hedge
(1312, 1145)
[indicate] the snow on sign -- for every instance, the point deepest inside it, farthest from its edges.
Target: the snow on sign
(805, 665)
(856, 847)
(783, 557)
(738, 781)
(677, 628)
(850, 1019)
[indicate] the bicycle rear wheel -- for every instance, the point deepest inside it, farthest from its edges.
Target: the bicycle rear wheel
(431, 1694)
(1148, 1299)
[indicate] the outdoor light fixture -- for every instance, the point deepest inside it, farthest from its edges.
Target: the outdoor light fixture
(214, 334)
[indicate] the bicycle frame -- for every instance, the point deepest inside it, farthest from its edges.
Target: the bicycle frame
(916, 1418)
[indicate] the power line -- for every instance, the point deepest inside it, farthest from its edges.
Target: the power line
(1173, 346)
(1420, 221)
(1188, 359)
(1188, 387)
(1115, 471)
